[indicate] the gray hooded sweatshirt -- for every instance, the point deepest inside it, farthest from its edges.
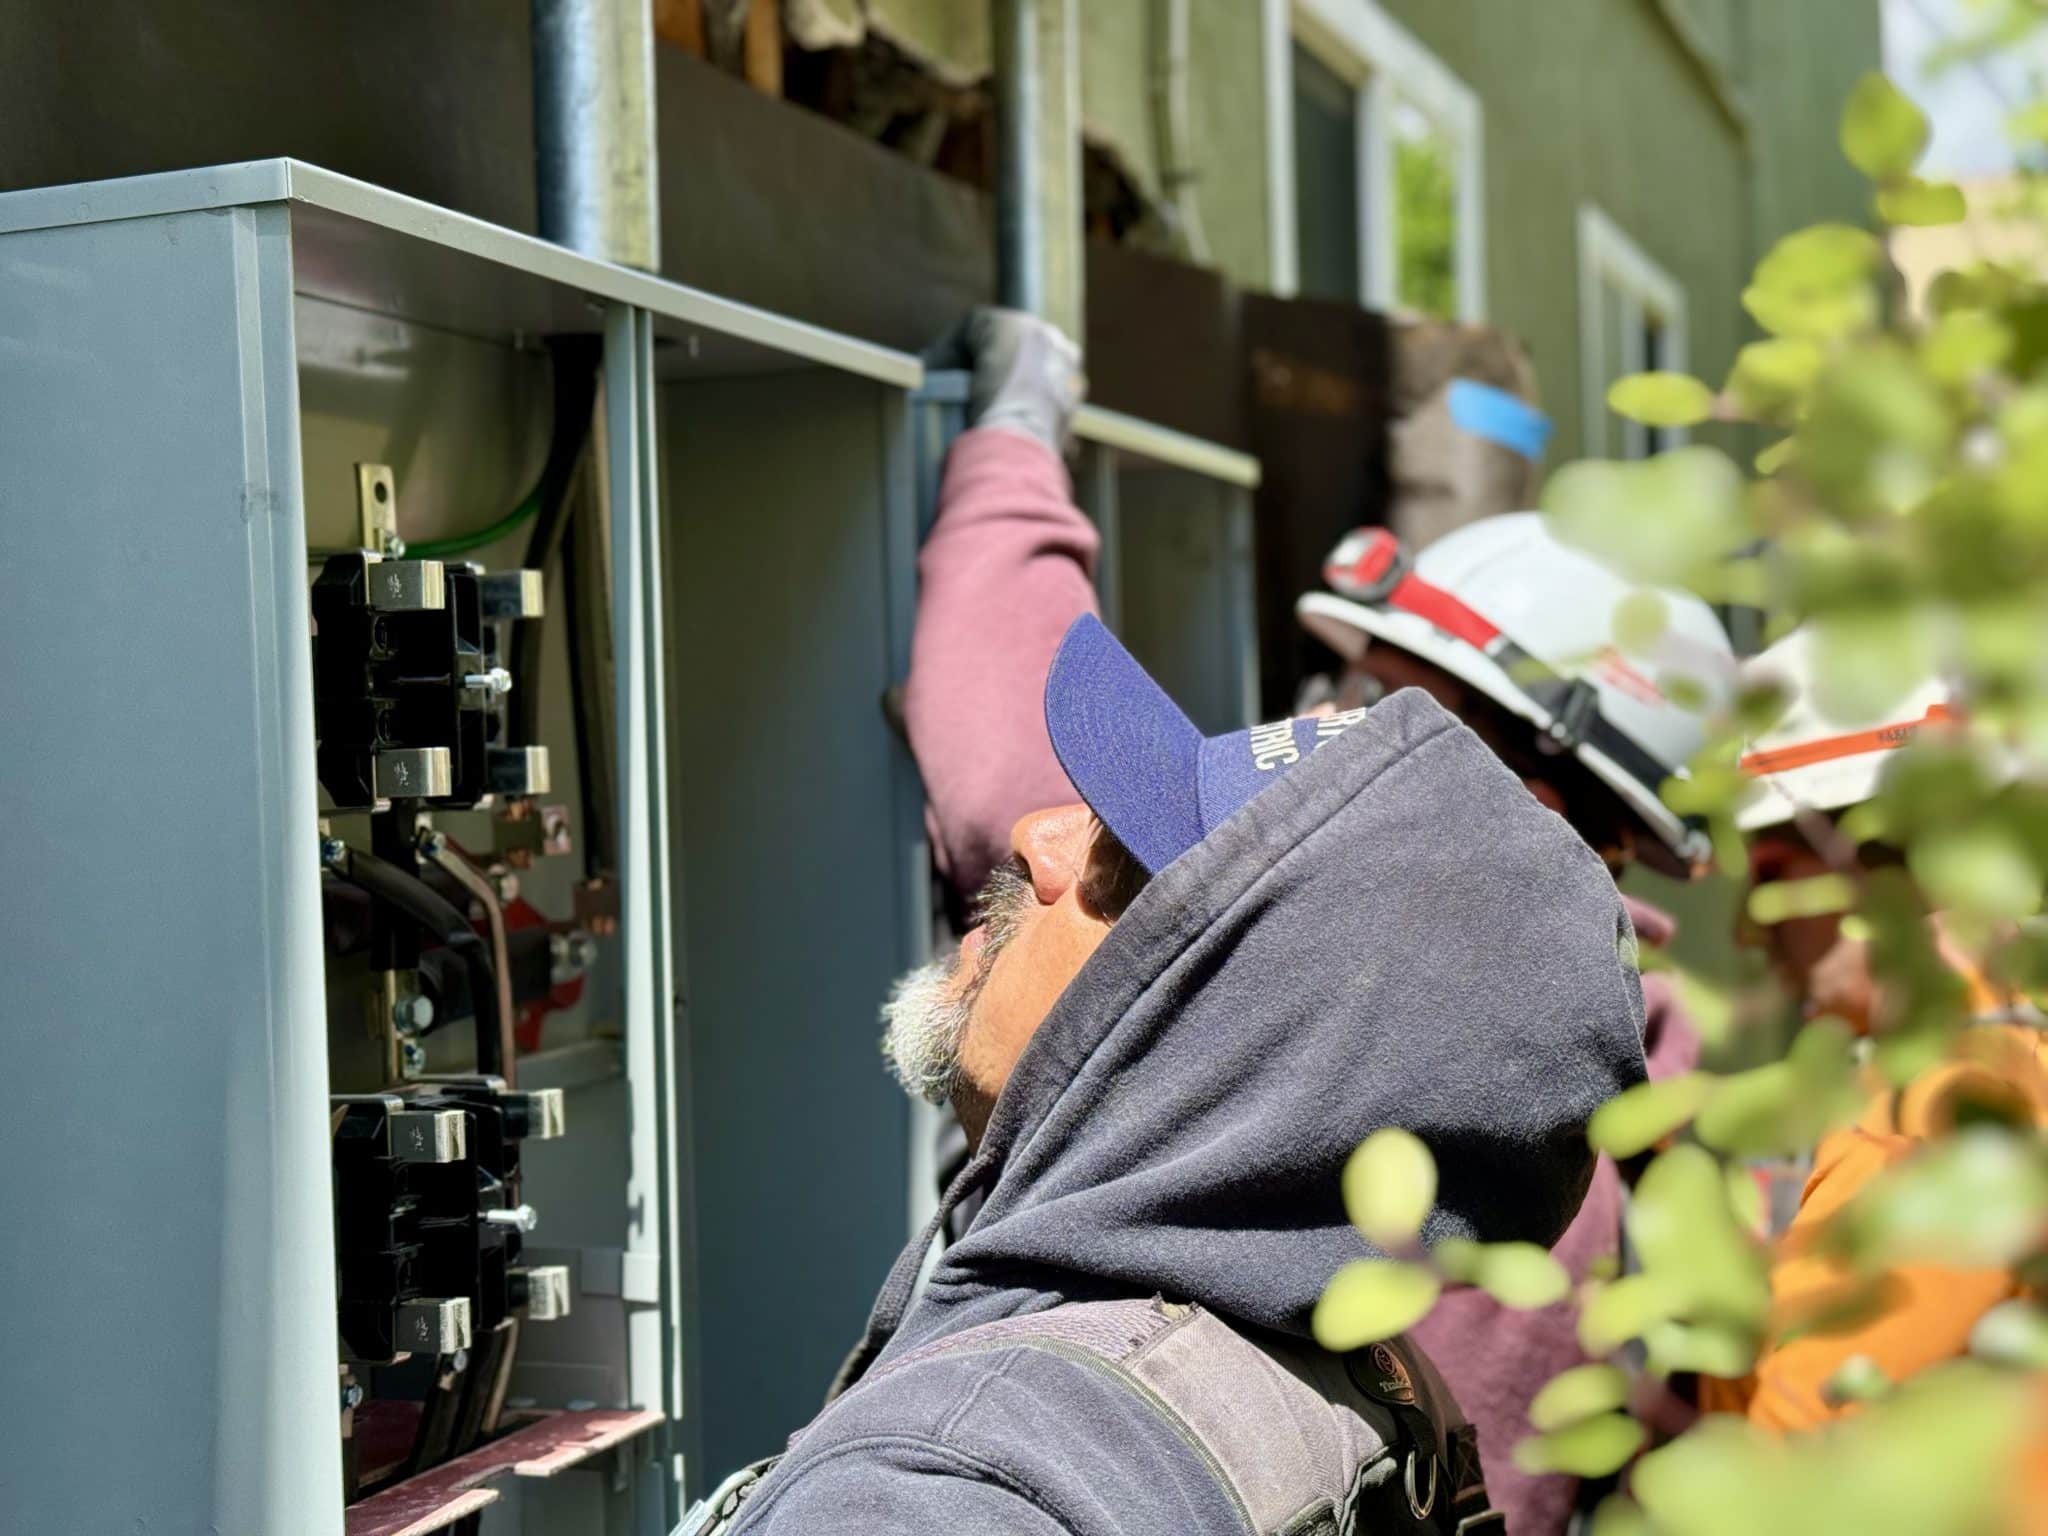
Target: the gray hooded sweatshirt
(1395, 933)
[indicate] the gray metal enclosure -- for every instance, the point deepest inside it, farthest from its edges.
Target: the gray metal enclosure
(188, 365)
(787, 519)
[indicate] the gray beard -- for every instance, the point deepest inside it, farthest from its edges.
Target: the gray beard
(923, 1025)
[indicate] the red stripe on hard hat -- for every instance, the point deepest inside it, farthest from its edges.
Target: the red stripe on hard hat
(1447, 613)
(1363, 565)
(1828, 749)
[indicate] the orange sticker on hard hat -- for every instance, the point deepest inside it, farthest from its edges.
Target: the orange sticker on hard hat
(1828, 749)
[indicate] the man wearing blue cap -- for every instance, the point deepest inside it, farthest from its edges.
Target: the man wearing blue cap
(1193, 994)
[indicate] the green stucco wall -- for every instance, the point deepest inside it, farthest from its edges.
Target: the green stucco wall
(1704, 128)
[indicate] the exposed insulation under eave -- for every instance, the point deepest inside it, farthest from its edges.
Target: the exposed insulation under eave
(950, 39)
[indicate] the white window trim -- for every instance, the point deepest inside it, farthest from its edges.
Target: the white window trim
(1368, 47)
(1608, 256)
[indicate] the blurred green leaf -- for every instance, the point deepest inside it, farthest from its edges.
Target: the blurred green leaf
(1786, 1105)
(1978, 868)
(1839, 1308)
(1709, 1349)
(1577, 1394)
(1389, 1186)
(1661, 399)
(2030, 122)
(1877, 434)
(1522, 1276)
(1595, 1447)
(1709, 1005)
(1921, 204)
(1626, 1309)
(1978, 1199)
(1859, 1379)
(1882, 133)
(1815, 896)
(1816, 284)
(1640, 620)
(1772, 376)
(1656, 521)
(1964, 343)
(2013, 1333)
(1866, 659)
(1746, 1200)
(1688, 1238)
(1637, 1118)
(1724, 1478)
(1369, 1300)
(1619, 1515)
(1459, 1258)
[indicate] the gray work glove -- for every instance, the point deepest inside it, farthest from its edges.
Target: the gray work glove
(1027, 374)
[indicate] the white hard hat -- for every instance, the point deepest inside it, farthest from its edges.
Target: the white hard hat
(1503, 605)
(1809, 762)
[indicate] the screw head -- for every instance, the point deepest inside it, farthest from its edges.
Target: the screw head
(351, 1396)
(413, 1014)
(332, 851)
(414, 1057)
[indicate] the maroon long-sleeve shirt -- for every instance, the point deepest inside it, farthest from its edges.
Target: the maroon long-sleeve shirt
(1008, 565)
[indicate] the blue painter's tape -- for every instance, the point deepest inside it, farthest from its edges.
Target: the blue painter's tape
(1499, 417)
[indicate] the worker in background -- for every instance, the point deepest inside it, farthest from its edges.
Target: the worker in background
(1809, 772)
(1511, 632)
(1191, 995)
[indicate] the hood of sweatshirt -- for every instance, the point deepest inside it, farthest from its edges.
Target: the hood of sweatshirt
(1394, 933)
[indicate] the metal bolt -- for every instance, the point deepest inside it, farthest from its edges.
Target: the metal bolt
(458, 1362)
(332, 851)
(519, 1216)
(394, 546)
(413, 1015)
(430, 843)
(414, 1057)
(570, 955)
(351, 1396)
(496, 681)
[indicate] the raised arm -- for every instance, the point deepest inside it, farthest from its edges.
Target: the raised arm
(1009, 564)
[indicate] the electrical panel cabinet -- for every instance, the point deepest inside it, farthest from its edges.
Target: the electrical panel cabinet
(349, 1171)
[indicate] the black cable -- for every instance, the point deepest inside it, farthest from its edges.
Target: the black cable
(590, 682)
(419, 901)
(576, 361)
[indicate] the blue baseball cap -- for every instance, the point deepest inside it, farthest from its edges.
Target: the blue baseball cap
(1142, 765)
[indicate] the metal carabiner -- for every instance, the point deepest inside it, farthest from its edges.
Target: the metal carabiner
(1420, 1508)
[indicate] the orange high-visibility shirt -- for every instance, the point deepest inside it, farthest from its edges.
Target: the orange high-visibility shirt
(1929, 1317)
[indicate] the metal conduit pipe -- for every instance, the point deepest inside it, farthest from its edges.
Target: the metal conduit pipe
(1020, 188)
(1173, 131)
(593, 128)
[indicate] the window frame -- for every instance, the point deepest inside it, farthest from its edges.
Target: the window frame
(1609, 258)
(1384, 62)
